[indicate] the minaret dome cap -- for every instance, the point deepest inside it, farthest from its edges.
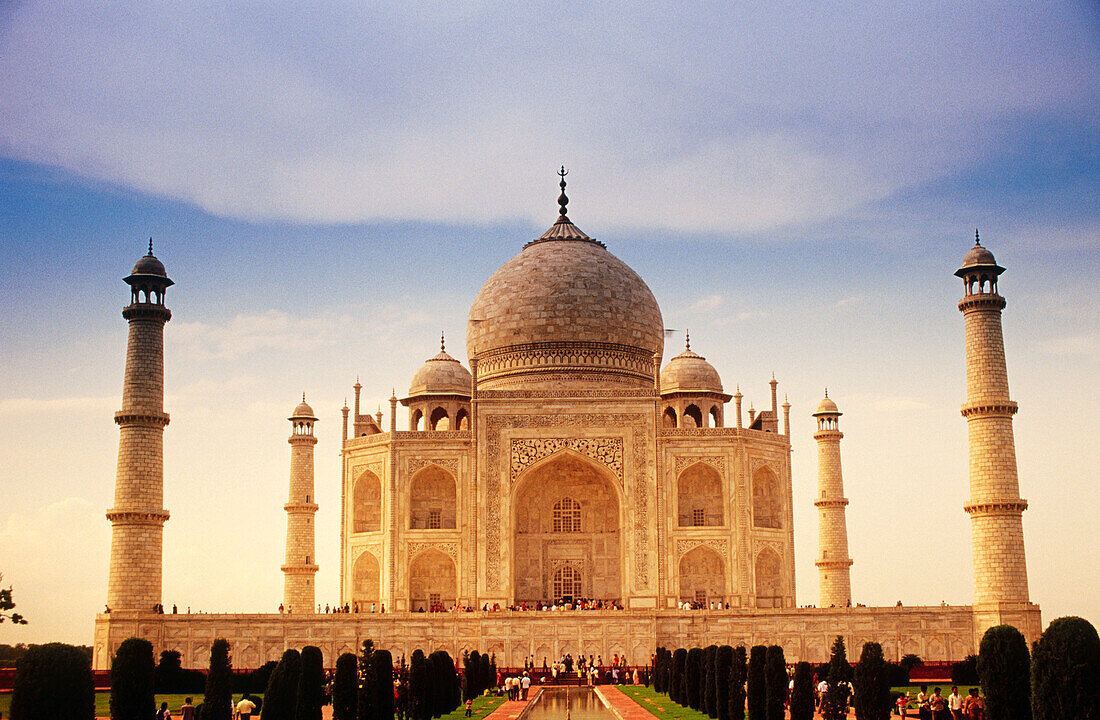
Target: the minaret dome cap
(303, 411)
(827, 407)
(979, 258)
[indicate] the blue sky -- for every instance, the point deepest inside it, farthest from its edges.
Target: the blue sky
(330, 184)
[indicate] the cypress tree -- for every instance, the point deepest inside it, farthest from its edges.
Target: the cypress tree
(1004, 666)
(218, 697)
(873, 699)
(53, 681)
(710, 681)
(438, 684)
(382, 663)
(834, 706)
(486, 674)
(1065, 671)
(419, 707)
(658, 661)
(802, 694)
(723, 659)
(471, 676)
(281, 696)
(692, 673)
(775, 683)
(676, 678)
(757, 684)
(345, 688)
(739, 673)
(368, 691)
(132, 693)
(311, 684)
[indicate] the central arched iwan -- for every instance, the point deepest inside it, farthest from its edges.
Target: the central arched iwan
(566, 512)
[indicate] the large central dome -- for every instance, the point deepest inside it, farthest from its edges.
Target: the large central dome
(564, 313)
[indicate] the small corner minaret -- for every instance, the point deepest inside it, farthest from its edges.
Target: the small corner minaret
(995, 507)
(138, 516)
(833, 563)
(301, 563)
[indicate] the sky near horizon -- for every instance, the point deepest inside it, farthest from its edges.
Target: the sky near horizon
(329, 184)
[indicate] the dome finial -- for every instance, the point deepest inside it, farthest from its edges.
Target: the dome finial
(826, 392)
(303, 396)
(150, 247)
(687, 339)
(977, 240)
(562, 199)
(442, 342)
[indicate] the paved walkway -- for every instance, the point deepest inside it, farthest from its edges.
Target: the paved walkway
(510, 709)
(621, 705)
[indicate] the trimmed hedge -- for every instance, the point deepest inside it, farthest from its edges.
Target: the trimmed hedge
(53, 681)
(1065, 671)
(132, 693)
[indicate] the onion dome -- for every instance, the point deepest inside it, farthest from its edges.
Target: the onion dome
(564, 310)
(827, 407)
(149, 272)
(690, 373)
(441, 375)
(979, 258)
(303, 411)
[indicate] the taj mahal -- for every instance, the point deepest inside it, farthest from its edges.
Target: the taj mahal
(567, 463)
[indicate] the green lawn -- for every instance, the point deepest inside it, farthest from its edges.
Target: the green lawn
(482, 706)
(659, 704)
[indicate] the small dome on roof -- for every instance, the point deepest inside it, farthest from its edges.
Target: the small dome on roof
(149, 265)
(441, 375)
(689, 372)
(827, 407)
(303, 411)
(979, 257)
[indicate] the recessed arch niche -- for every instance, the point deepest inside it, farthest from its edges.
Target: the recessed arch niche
(432, 581)
(699, 496)
(589, 544)
(367, 503)
(432, 500)
(702, 575)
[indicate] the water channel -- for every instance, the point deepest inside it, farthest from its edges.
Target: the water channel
(569, 703)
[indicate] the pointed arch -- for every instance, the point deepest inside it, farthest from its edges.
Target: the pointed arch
(432, 581)
(367, 503)
(415, 419)
(587, 498)
(767, 503)
(432, 499)
(699, 498)
(692, 414)
(462, 420)
(669, 418)
(366, 580)
(702, 575)
(715, 416)
(439, 420)
(769, 579)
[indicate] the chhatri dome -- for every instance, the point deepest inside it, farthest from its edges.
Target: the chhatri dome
(564, 312)
(690, 373)
(441, 375)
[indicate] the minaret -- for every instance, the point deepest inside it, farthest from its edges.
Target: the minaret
(301, 565)
(995, 507)
(833, 563)
(138, 516)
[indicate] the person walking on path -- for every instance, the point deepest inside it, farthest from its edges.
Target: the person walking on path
(187, 712)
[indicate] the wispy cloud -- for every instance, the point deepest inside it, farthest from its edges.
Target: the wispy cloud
(753, 118)
(707, 304)
(244, 335)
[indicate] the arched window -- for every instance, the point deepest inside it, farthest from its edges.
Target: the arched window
(439, 420)
(699, 497)
(567, 582)
(367, 504)
(414, 420)
(769, 583)
(715, 417)
(669, 418)
(432, 500)
(767, 509)
(695, 414)
(462, 420)
(567, 516)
